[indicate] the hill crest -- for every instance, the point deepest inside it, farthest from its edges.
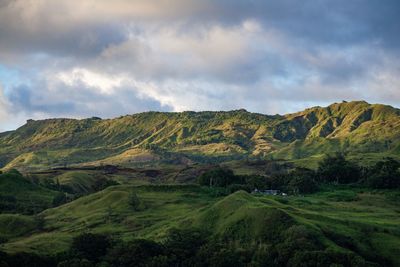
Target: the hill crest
(350, 127)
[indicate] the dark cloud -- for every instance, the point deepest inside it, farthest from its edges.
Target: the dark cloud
(108, 58)
(88, 27)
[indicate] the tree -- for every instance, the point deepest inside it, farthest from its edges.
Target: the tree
(23, 259)
(183, 244)
(232, 188)
(138, 252)
(75, 263)
(134, 201)
(336, 169)
(385, 174)
(302, 181)
(219, 177)
(255, 181)
(90, 246)
(278, 181)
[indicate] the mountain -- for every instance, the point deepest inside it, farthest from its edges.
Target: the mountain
(351, 127)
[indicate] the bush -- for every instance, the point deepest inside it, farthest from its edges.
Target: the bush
(76, 263)
(90, 246)
(136, 253)
(216, 253)
(24, 259)
(135, 202)
(182, 245)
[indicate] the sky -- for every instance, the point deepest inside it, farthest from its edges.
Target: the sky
(63, 58)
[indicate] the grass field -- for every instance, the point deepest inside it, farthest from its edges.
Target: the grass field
(365, 222)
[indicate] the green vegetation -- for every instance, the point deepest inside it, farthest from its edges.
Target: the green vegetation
(218, 177)
(352, 128)
(264, 228)
(189, 189)
(384, 174)
(19, 195)
(336, 169)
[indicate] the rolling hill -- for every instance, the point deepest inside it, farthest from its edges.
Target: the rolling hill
(345, 227)
(350, 127)
(18, 194)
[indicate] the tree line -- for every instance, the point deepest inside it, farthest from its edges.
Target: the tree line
(295, 246)
(333, 169)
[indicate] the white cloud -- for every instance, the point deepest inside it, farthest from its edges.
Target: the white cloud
(168, 51)
(80, 76)
(108, 58)
(5, 115)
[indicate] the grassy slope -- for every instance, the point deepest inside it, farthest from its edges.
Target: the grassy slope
(355, 127)
(14, 225)
(29, 197)
(369, 220)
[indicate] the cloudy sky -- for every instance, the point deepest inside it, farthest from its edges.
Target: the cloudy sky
(63, 58)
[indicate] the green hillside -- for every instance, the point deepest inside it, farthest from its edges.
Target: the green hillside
(337, 223)
(353, 128)
(18, 195)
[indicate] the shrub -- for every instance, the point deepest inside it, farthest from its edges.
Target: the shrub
(183, 244)
(76, 263)
(135, 202)
(24, 259)
(90, 246)
(136, 253)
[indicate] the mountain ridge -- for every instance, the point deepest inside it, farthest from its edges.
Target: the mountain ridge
(348, 127)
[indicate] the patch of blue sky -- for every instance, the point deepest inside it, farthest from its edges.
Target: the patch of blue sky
(9, 78)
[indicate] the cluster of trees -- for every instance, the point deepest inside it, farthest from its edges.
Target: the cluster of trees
(296, 181)
(336, 169)
(384, 174)
(295, 246)
(225, 178)
(333, 169)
